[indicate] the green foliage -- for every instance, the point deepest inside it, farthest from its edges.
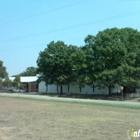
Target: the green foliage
(3, 73)
(7, 82)
(16, 81)
(30, 71)
(1, 82)
(111, 57)
(59, 63)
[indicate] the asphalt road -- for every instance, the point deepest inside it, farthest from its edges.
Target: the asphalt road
(35, 96)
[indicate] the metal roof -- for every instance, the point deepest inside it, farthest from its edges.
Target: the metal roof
(26, 79)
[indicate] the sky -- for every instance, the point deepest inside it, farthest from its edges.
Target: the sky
(27, 26)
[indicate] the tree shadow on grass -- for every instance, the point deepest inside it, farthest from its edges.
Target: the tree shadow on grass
(112, 97)
(85, 96)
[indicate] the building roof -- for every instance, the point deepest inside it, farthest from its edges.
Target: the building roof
(26, 79)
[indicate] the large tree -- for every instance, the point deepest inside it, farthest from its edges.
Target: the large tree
(55, 64)
(131, 66)
(112, 56)
(3, 73)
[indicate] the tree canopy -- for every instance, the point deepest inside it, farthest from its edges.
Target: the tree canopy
(57, 63)
(30, 71)
(111, 57)
(7, 82)
(3, 73)
(16, 81)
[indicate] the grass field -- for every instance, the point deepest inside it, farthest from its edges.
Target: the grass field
(24, 119)
(94, 96)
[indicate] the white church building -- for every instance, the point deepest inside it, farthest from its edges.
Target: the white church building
(31, 85)
(73, 88)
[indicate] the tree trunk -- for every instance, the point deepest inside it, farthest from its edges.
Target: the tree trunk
(109, 90)
(61, 89)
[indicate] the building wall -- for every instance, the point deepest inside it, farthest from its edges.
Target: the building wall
(72, 88)
(34, 88)
(66, 88)
(42, 87)
(52, 89)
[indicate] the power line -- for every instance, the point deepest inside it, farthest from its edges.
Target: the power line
(22, 47)
(76, 26)
(34, 15)
(42, 44)
(38, 45)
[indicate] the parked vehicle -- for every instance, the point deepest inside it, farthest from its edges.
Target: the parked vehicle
(19, 90)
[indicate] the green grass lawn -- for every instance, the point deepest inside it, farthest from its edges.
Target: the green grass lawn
(29, 119)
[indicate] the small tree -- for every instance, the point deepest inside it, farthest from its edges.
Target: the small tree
(1, 83)
(16, 81)
(7, 82)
